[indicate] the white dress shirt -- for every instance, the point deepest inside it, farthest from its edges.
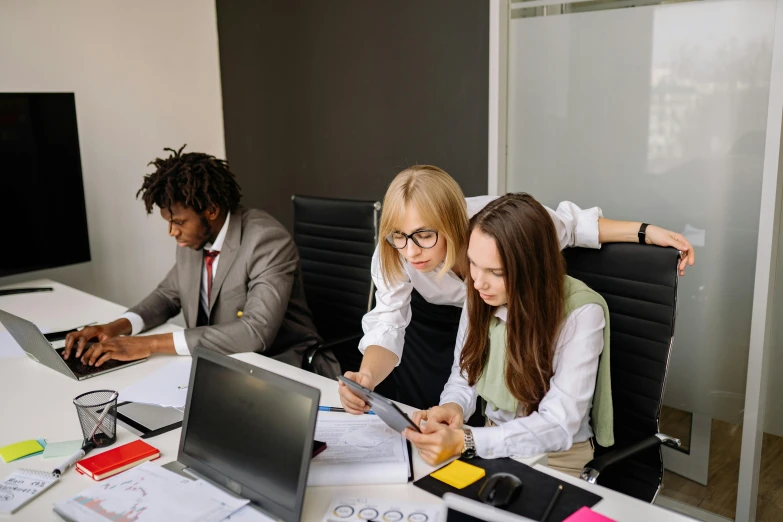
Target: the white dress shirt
(385, 324)
(563, 416)
(180, 344)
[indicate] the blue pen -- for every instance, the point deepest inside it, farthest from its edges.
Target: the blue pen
(335, 408)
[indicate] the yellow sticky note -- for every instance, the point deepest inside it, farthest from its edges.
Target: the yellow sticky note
(19, 450)
(459, 474)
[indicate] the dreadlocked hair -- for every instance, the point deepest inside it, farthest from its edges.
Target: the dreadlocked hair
(194, 180)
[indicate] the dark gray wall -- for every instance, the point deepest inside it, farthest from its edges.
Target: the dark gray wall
(333, 98)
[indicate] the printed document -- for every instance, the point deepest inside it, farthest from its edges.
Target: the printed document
(149, 493)
(166, 387)
(360, 449)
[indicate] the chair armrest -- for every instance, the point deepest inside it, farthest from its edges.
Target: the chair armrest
(334, 344)
(596, 466)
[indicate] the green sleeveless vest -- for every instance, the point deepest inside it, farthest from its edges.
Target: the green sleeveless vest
(492, 384)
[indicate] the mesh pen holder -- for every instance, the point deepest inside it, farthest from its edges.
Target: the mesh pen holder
(90, 407)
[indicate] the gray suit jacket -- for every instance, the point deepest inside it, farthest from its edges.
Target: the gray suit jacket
(257, 302)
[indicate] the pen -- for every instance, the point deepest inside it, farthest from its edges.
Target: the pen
(341, 410)
(103, 415)
(182, 386)
(552, 502)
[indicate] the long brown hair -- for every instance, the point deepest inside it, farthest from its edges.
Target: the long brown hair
(534, 275)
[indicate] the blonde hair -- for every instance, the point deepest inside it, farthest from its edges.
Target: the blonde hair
(441, 205)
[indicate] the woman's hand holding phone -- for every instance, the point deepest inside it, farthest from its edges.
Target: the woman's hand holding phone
(350, 401)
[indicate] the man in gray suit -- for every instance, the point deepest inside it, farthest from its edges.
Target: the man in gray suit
(237, 277)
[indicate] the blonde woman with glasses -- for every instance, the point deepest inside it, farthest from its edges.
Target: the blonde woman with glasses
(420, 285)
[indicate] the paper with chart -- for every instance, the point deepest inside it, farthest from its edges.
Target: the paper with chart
(149, 493)
(166, 387)
(360, 449)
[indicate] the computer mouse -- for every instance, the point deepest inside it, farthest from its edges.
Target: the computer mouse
(500, 489)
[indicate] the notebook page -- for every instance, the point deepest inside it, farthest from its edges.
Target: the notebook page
(22, 486)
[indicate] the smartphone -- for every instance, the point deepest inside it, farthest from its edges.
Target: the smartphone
(318, 447)
(384, 408)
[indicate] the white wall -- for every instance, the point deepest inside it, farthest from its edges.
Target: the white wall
(146, 76)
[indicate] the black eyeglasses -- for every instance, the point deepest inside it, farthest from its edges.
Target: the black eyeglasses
(422, 239)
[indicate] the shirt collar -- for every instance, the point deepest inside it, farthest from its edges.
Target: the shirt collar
(218, 244)
(501, 312)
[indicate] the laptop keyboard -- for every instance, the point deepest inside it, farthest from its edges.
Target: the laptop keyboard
(80, 369)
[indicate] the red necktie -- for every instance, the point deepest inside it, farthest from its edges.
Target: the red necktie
(209, 258)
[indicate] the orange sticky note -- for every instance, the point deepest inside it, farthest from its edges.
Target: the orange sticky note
(459, 474)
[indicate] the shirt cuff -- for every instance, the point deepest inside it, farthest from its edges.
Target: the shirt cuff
(180, 344)
(392, 339)
(587, 228)
(137, 323)
(489, 442)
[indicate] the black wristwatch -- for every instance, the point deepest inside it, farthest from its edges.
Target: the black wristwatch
(469, 450)
(643, 233)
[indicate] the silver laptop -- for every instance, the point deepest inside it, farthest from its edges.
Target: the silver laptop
(250, 432)
(41, 351)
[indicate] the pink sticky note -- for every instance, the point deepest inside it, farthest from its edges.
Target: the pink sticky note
(586, 514)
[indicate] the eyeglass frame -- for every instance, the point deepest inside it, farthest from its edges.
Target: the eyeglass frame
(390, 240)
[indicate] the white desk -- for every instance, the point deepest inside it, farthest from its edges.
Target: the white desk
(37, 403)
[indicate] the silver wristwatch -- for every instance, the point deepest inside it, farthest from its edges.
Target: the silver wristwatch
(469, 451)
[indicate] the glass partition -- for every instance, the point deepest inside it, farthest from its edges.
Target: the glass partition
(658, 113)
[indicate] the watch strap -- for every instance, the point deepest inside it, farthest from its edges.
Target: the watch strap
(643, 233)
(469, 450)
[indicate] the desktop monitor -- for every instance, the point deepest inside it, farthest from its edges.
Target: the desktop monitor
(41, 174)
(250, 431)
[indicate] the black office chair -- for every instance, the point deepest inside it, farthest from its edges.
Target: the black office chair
(639, 284)
(336, 239)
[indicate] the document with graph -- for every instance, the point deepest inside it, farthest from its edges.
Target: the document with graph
(149, 493)
(360, 449)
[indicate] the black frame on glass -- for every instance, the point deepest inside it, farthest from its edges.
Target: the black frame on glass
(390, 238)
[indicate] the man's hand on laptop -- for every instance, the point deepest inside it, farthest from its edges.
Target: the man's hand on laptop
(126, 348)
(119, 348)
(99, 332)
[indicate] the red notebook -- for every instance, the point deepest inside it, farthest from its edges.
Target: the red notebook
(116, 460)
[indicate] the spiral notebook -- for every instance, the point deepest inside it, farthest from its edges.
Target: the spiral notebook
(21, 487)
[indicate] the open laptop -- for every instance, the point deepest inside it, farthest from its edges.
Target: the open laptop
(248, 431)
(40, 350)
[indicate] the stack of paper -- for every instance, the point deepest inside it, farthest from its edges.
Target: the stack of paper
(360, 449)
(166, 387)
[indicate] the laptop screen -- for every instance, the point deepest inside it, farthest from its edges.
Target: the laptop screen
(249, 426)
